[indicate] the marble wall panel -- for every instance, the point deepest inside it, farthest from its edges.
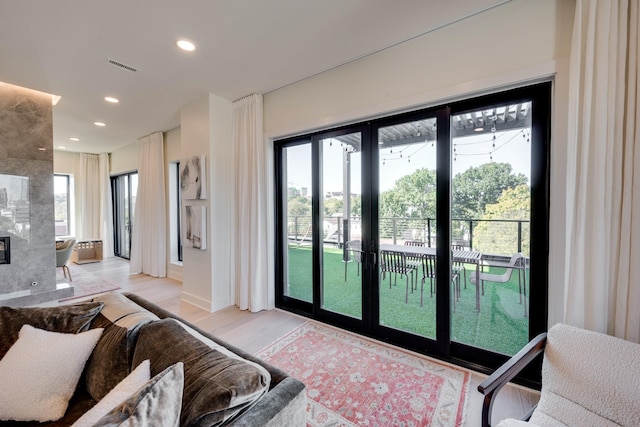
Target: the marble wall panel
(26, 149)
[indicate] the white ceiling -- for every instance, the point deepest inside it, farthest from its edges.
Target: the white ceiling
(243, 47)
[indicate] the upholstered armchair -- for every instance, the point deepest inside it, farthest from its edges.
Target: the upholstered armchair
(588, 379)
(63, 253)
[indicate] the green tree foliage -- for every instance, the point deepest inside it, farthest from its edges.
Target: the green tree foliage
(413, 196)
(500, 237)
(298, 205)
(332, 206)
(480, 186)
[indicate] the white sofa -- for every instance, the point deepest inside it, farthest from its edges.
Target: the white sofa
(588, 379)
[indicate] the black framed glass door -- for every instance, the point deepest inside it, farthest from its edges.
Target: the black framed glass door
(440, 216)
(123, 192)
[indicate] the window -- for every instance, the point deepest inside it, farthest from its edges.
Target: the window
(62, 203)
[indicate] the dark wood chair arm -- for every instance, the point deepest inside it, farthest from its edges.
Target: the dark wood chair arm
(492, 385)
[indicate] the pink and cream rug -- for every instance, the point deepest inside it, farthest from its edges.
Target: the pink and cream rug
(356, 381)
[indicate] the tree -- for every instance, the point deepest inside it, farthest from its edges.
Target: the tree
(480, 186)
(299, 206)
(501, 237)
(413, 196)
(332, 206)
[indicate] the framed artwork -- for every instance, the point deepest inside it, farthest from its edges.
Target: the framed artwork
(193, 182)
(194, 226)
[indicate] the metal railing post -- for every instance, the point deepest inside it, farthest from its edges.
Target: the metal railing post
(470, 235)
(394, 229)
(519, 236)
(295, 226)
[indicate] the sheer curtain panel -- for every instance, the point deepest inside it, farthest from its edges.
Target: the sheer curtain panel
(149, 237)
(106, 208)
(602, 290)
(88, 195)
(253, 240)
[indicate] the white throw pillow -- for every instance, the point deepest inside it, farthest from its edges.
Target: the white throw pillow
(121, 392)
(39, 373)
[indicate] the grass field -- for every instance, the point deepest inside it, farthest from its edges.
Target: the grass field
(500, 325)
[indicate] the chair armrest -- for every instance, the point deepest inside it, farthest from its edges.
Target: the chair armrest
(492, 385)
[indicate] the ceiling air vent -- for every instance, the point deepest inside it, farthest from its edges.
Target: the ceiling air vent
(121, 65)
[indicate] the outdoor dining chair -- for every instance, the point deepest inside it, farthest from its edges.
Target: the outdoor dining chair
(414, 261)
(396, 262)
(353, 251)
(428, 264)
(518, 262)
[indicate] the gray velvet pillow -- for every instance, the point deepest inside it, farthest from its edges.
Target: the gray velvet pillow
(68, 319)
(110, 362)
(156, 404)
(216, 387)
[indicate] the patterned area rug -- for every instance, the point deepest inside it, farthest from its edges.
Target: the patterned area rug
(85, 284)
(355, 381)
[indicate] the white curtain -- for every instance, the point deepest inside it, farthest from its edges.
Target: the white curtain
(253, 239)
(106, 207)
(149, 237)
(88, 197)
(602, 281)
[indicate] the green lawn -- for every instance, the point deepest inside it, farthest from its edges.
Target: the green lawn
(500, 326)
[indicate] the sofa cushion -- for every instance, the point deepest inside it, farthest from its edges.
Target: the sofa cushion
(156, 404)
(217, 387)
(110, 363)
(69, 319)
(40, 372)
(125, 388)
(588, 378)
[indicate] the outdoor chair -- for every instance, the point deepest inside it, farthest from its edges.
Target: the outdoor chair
(63, 253)
(428, 264)
(396, 263)
(352, 250)
(458, 266)
(518, 262)
(414, 261)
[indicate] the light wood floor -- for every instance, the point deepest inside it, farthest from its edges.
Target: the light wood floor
(254, 331)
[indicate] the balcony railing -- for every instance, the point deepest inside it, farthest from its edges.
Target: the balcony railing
(503, 236)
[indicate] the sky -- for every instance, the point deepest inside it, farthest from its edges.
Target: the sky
(510, 147)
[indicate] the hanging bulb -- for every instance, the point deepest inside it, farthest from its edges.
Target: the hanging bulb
(409, 160)
(494, 145)
(455, 158)
(383, 162)
(528, 140)
(432, 144)
(391, 151)
(491, 157)
(331, 143)
(400, 155)
(494, 137)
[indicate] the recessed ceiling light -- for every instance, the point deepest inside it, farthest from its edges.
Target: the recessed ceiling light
(42, 149)
(61, 147)
(111, 99)
(479, 129)
(73, 138)
(99, 124)
(186, 45)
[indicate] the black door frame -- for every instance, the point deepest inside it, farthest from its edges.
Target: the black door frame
(478, 359)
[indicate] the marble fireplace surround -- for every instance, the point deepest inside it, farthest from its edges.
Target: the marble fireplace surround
(26, 150)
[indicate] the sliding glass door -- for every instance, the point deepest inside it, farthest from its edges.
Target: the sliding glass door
(427, 229)
(123, 191)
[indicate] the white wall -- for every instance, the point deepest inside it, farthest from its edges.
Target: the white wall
(124, 159)
(518, 42)
(205, 127)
